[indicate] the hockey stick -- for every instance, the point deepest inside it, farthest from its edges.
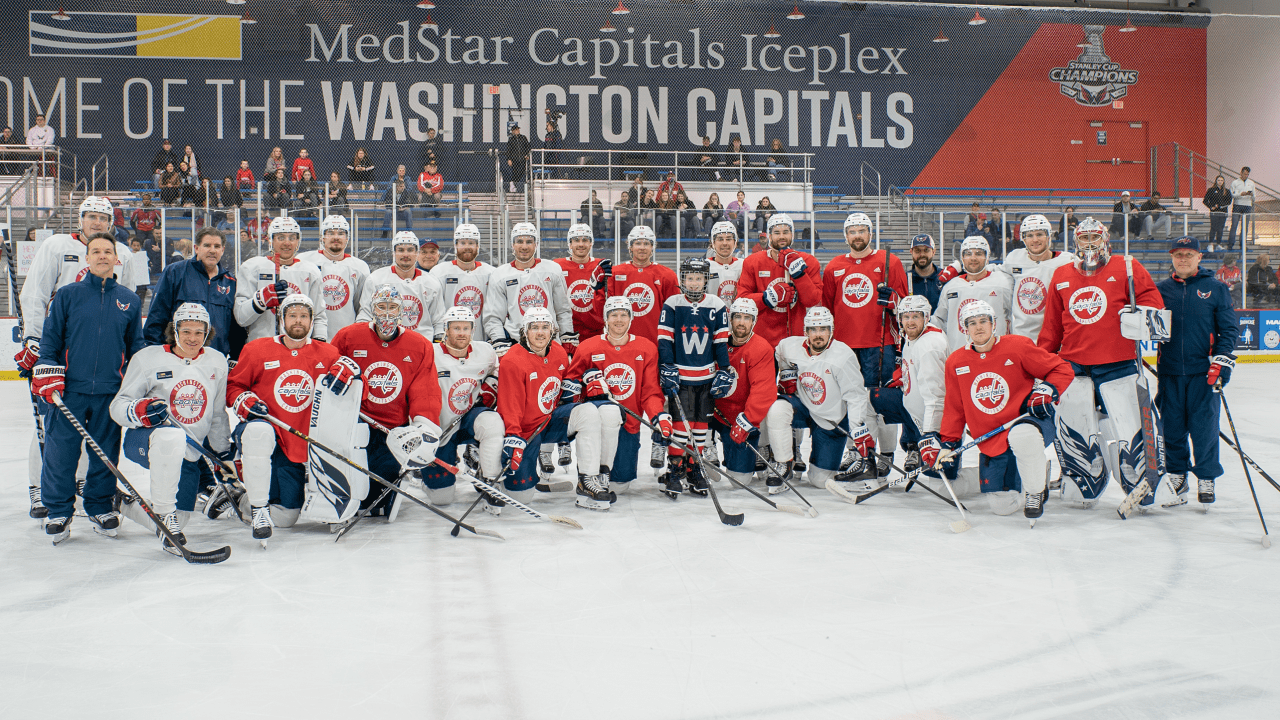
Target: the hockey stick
(202, 558)
(506, 469)
(377, 478)
(845, 495)
(768, 466)
(11, 258)
(1266, 537)
(1151, 469)
(215, 463)
(724, 517)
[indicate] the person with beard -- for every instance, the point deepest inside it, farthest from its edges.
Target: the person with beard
(342, 274)
(465, 279)
(782, 281)
(923, 279)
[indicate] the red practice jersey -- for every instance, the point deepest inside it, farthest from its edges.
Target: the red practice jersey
(285, 380)
(759, 271)
(986, 390)
(399, 375)
(1082, 321)
(529, 387)
(587, 302)
(849, 292)
(755, 387)
(630, 370)
(647, 288)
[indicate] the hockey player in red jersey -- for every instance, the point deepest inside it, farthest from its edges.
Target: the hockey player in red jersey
(782, 281)
(740, 412)
(276, 376)
(645, 283)
(1089, 323)
(586, 279)
(620, 366)
(398, 367)
(990, 381)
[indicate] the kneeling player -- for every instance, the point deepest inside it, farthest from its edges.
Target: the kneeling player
(820, 387)
(985, 380)
(172, 393)
(740, 412)
(924, 356)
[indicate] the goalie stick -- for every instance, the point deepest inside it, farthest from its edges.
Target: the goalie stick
(1150, 452)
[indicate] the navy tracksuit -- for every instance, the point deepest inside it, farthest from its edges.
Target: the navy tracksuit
(93, 329)
(187, 281)
(927, 286)
(1204, 325)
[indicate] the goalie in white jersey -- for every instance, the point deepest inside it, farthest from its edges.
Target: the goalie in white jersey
(726, 269)
(979, 282)
(342, 275)
(1031, 269)
(465, 280)
(170, 394)
(525, 282)
(422, 299)
(264, 282)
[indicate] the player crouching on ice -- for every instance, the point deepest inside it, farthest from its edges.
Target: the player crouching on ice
(172, 393)
(741, 410)
(538, 406)
(985, 379)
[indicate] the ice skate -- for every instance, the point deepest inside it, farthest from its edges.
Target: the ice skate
(493, 505)
(38, 510)
(545, 464)
(223, 500)
(799, 464)
(106, 524)
(173, 526)
(658, 456)
(1177, 483)
(912, 462)
(1205, 491)
(673, 481)
(884, 463)
(862, 475)
(261, 524)
(711, 456)
(697, 481)
(774, 483)
(1034, 507)
(58, 529)
(593, 492)
(566, 455)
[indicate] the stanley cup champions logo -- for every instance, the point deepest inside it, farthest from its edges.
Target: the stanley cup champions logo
(1092, 79)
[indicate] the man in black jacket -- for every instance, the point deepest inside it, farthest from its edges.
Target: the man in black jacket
(1261, 279)
(708, 159)
(1125, 214)
(163, 157)
(517, 158)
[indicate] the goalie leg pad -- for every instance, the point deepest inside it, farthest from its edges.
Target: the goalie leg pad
(1118, 393)
(337, 488)
(1079, 440)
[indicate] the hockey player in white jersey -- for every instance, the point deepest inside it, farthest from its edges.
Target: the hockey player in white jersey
(342, 274)
(924, 356)
(468, 373)
(1031, 269)
(820, 387)
(525, 282)
(980, 282)
(264, 282)
(465, 279)
(725, 268)
(423, 299)
(170, 393)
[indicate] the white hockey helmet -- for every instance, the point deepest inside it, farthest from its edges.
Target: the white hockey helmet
(1035, 222)
(975, 242)
(977, 308)
(1092, 250)
(744, 306)
(190, 311)
(283, 225)
(577, 230)
(405, 237)
(522, 229)
(95, 203)
(914, 303)
(386, 293)
(335, 222)
(536, 315)
(780, 219)
(466, 231)
(724, 226)
(617, 302)
(459, 313)
(1090, 229)
(640, 232)
(818, 316)
(296, 299)
(857, 218)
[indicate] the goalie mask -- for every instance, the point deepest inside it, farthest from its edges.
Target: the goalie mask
(1092, 249)
(386, 320)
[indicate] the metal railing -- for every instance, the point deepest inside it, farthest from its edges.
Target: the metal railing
(622, 165)
(104, 173)
(1189, 166)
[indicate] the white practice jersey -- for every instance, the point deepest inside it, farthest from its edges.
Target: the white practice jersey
(196, 391)
(512, 291)
(996, 289)
(341, 286)
(465, 288)
(830, 385)
(723, 282)
(259, 272)
(460, 380)
(423, 308)
(1031, 288)
(923, 382)
(59, 262)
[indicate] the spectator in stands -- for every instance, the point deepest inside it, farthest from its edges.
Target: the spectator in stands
(737, 213)
(428, 254)
(306, 195)
(551, 142)
(41, 134)
(119, 227)
(735, 158)
(337, 193)
(992, 228)
(244, 177)
(229, 195)
(517, 159)
(138, 267)
(170, 185)
(190, 186)
(279, 191)
(712, 213)
(648, 214)
(275, 161)
(636, 192)
(666, 219)
(163, 157)
(181, 250)
(764, 210)
(708, 159)
(399, 201)
(670, 186)
(1067, 226)
(626, 213)
(778, 159)
(688, 213)
(431, 150)
(206, 192)
(360, 171)
(594, 209)
(974, 221)
(430, 187)
(1217, 200)
(257, 227)
(8, 139)
(1125, 216)
(1154, 217)
(189, 157)
(923, 279)
(1261, 281)
(1242, 192)
(145, 219)
(1229, 273)
(302, 162)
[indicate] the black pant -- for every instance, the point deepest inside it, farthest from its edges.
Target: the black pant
(1217, 221)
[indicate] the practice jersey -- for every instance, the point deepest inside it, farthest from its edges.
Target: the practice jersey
(460, 380)
(754, 386)
(923, 384)
(694, 337)
(512, 291)
(1082, 320)
(849, 291)
(341, 286)
(987, 390)
(829, 384)
(399, 374)
(529, 387)
(759, 272)
(285, 380)
(1031, 280)
(630, 371)
(60, 261)
(995, 288)
(422, 300)
(465, 288)
(195, 390)
(647, 288)
(723, 282)
(259, 272)
(586, 302)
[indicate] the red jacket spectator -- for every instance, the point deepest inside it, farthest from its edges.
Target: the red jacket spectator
(244, 177)
(1229, 275)
(302, 162)
(145, 219)
(430, 182)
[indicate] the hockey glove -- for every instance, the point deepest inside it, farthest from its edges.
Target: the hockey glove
(896, 381)
(340, 376)
(937, 454)
(249, 406)
(949, 272)
(27, 357)
(601, 274)
(500, 347)
(271, 296)
(793, 262)
(48, 379)
(148, 413)
(670, 379)
(570, 342)
(787, 380)
(1041, 401)
(780, 296)
(593, 384)
(663, 421)
(489, 392)
(742, 429)
(569, 391)
(884, 297)
(723, 382)
(513, 452)
(1145, 324)
(863, 442)
(1220, 367)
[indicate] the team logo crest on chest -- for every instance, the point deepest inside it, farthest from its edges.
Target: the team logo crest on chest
(1031, 295)
(336, 292)
(814, 386)
(384, 382)
(187, 401)
(641, 297)
(548, 394)
(990, 393)
(1088, 305)
(856, 290)
(460, 395)
(531, 296)
(293, 389)
(471, 298)
(621, 379)
(581, 295)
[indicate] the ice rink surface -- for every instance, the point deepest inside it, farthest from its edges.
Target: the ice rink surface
(656, 610)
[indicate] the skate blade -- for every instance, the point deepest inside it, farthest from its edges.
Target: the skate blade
(776, 489)
(1175, 501)
(60, 537)
(104, 532)
(1032, 521)
(1266, 541)
(586, 504)
(698, 493)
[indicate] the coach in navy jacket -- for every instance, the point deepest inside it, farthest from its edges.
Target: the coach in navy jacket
(94, 328)
(198, 280)
(1198, 355)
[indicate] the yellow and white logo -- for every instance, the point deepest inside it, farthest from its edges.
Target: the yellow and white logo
(129, 35)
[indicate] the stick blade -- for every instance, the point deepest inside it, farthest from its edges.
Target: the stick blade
(734, 519)
(960, 526)
(212, 557)
(484, 533)
(566, 521)
(794, 510)
(1266, 541)
(834, 488)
